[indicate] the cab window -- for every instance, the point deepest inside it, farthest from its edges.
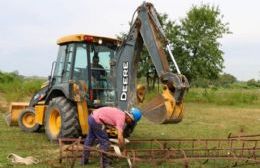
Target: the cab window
(80, 68)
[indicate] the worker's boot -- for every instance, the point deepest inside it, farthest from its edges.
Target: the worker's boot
(105, 161)
(84, 161)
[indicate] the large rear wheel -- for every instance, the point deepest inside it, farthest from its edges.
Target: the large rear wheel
(26, 120)
(61, 119)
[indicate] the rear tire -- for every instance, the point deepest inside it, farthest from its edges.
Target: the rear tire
(26, 120)
(61, 119)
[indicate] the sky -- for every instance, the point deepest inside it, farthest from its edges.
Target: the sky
(29, 30)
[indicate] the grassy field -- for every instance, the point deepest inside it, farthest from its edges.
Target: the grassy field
(202, 120)
(209, 113)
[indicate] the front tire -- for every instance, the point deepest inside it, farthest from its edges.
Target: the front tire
(61, 119)
(26, 120)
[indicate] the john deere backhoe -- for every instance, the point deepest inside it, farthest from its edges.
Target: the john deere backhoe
(74, 89)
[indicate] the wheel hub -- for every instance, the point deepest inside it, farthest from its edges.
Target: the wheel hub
(55, 122)
(29, 120)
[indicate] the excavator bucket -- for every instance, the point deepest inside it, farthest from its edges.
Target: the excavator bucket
(14, 112)
(168, 107)
(163, 109)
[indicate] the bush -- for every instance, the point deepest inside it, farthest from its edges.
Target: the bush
(17, 88)
(253, 83)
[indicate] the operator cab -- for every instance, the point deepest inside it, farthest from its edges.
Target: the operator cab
(87, 58)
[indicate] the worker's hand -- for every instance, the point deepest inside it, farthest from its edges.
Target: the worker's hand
(120, 138)
(121, 142)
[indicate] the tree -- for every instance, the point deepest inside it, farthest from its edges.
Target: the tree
(253, 83)
(225, 80)
(197, 47)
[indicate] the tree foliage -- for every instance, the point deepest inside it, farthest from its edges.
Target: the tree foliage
(225, 80)
(196, 46)
(15, 87)
(9, 77)
(253, 83)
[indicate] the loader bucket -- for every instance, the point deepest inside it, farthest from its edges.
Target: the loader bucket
(163, 109)
(14, 112)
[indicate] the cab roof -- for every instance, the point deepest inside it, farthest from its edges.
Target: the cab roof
(87, 38)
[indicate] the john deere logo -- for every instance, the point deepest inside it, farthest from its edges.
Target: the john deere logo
(123, 96)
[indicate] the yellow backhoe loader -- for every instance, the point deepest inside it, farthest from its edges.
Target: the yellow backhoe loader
(94, 71)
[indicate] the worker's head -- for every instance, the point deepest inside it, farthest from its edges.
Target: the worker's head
(95, 59)
(135, 115)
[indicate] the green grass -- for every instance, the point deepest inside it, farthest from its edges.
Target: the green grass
(204, 121)
(201, 121)
(211, 113)
(13, 140)
(223, 96)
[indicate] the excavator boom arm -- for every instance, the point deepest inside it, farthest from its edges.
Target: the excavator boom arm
(146, 30)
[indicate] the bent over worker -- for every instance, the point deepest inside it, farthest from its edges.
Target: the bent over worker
(107, 116)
